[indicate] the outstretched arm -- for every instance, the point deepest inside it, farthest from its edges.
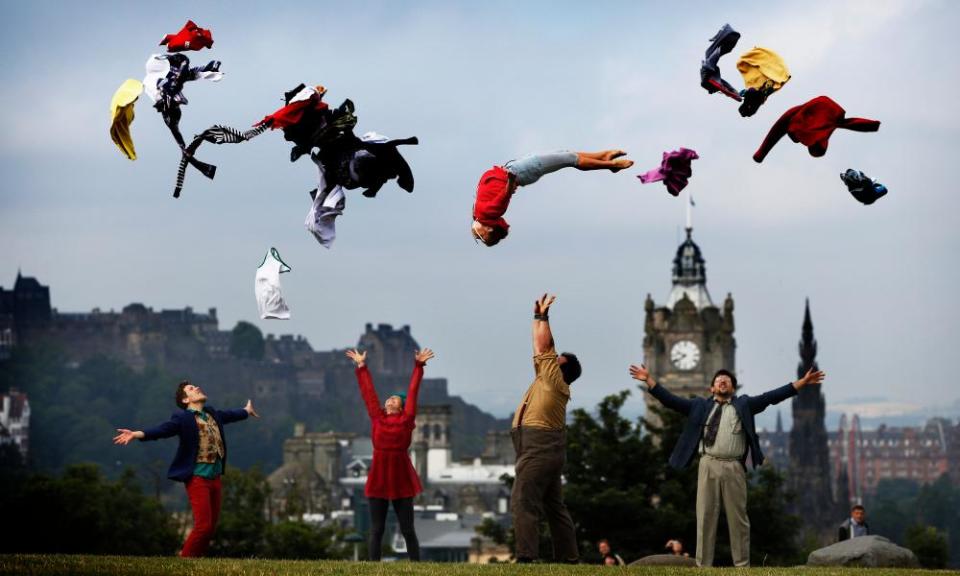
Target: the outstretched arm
(168, 429)
(420, 360)
(126, 436)
(231, 416)
(542, 336)
(367, 391)
(759, 403)
(668, 399)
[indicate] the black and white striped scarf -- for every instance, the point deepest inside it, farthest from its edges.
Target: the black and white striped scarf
(216, 134)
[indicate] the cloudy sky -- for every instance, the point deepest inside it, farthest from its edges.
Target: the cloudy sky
(481, 84)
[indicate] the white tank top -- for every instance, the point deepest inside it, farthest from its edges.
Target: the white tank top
(267, 287)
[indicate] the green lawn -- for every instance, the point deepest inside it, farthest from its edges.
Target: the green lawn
(26, 565)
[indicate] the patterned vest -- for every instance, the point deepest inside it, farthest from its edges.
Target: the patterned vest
(211, 444)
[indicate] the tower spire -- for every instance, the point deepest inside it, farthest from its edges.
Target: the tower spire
(808, 345)
(689, 212)
(810, 471)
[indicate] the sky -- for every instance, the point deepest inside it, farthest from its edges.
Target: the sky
(479, 84)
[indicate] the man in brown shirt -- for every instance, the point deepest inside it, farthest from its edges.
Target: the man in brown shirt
(539, 438)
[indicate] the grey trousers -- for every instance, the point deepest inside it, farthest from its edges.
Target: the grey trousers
(531, 168)
(538, 489)
(722, 482)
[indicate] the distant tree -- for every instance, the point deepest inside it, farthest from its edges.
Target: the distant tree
(493, 530)
(82, 513)
(246, 341)
(929, 544)
(299, 540)
(612, 482)
(899, 504)
(773, 532)
(243, 521)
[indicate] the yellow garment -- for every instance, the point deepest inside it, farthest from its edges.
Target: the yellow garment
(762, 68)
(121, 113)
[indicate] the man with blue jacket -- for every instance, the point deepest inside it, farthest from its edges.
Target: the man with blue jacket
(721, 431)
(200, 460)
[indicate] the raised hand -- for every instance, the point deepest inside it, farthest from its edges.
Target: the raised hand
(250, 410)
(423, 355)
(810, 377)
(642, 374)
(360, 358)
(542, 305)
(126, 436)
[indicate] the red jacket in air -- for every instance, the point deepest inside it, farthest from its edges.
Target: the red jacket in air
(493, 198)
(392, 475)
(292, 112)
(190, 37)
(811, 124)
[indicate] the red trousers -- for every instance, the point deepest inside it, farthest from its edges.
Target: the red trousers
(204, 498)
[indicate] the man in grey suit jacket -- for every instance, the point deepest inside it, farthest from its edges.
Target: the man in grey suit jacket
(722, 431)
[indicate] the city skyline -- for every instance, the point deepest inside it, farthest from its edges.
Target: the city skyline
(872, 413)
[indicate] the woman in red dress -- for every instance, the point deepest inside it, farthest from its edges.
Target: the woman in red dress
(392, 478)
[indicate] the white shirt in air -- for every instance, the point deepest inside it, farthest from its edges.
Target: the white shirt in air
(270, 300)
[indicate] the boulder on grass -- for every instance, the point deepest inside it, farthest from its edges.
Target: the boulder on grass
(664, 560)
(866, 551)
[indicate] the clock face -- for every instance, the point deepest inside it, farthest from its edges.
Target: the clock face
(685, 355)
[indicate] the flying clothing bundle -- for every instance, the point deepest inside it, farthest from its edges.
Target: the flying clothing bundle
(121, 113)
(674, 170)
(165, 77)
(811, 124)
(190, 37)
(865, 190)
(763, 70)
(722, 43)
(266, 286)
(328, 203)
(343, 160)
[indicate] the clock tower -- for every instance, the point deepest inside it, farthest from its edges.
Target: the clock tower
(689, 338)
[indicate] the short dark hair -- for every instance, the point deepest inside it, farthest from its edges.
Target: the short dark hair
(603, 541)
(727, 373)
(181, 395)
(496, 235)
(858, 507)
(570, 369)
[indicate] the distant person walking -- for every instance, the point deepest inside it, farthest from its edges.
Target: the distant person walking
(854, 526)
(722, 431)
(540, 441)
(392, 478)
(201, 457)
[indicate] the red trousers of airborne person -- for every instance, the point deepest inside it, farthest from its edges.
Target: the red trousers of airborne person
(204, 498)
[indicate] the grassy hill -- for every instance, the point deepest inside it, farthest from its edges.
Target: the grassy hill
(29, 565)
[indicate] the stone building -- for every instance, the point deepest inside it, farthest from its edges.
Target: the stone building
(687, 339)
(290, 380)
(325, 472)
(15, 420)
(865, 457)
(775, 445)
